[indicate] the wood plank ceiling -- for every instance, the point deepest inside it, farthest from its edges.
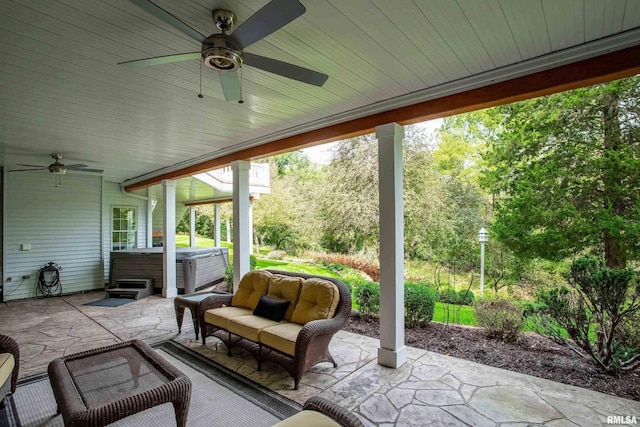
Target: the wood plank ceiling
(61, 90)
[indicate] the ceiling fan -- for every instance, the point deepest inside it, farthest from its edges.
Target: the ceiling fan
(225, 52)
(58, 168)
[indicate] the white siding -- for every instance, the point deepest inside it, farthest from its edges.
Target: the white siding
(61, 224)
(114, 197)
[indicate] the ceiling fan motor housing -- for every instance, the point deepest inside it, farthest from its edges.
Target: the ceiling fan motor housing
(219, 55)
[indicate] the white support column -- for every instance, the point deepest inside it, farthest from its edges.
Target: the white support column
(192, 226)
(241, 209)
(169, 242)
(150, 206)
(216, 215)
(392, 351)
(250, 226)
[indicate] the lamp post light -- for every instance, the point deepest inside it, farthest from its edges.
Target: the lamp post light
(483, 237)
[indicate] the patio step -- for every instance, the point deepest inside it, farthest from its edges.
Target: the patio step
(131, 288)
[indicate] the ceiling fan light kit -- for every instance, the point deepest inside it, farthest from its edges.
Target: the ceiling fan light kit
(225, 52)
(218, 55)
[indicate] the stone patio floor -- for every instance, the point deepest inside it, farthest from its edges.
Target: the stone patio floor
(430, 389)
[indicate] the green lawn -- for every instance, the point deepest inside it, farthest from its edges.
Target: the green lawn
(294, 267)
(466, 314)
(182, 241)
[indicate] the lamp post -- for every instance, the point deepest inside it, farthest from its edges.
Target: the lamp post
(483, 237)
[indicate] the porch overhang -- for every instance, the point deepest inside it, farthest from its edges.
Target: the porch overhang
(500, 87)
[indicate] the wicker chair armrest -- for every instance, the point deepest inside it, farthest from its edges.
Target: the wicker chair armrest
(214, 301)
(316, 328)
(9, 345)
(333, 411)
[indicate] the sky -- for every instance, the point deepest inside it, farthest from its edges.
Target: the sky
(322, 153)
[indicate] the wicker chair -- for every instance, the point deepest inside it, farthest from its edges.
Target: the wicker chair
(9, 366)
(312, 344)
(331, 414)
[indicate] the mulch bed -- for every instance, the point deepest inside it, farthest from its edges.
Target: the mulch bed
(532, 354)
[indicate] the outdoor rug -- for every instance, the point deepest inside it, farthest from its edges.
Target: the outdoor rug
(219, 397)
(110, 302)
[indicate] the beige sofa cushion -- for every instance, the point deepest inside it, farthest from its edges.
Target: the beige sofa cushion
(285, 288)
(281, 337)
(308, 418)
(220, 316)
(249, 327)
(7, 362)
(252, 286)
(318, 300)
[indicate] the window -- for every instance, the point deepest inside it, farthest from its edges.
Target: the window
(123, 228)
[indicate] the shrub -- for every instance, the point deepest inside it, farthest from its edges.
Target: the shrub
(599, 297)
(353, 280)
(419, 303)
(371, 270)
(629, 333)
(448, 295)
(465, 297)
(501, 318)
(367, 296)
(228, 272)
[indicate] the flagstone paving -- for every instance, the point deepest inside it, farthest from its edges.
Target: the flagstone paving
(430, 389)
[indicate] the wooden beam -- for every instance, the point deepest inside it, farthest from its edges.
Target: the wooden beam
(604, 68)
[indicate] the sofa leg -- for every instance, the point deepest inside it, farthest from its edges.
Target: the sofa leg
(259, 359)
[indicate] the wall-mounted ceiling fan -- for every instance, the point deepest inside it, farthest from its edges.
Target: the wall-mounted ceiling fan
(57, 168)
(225, 52)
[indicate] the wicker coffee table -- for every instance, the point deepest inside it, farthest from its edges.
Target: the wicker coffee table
(101, 386)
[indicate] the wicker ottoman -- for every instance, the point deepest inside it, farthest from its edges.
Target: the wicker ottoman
(191, 301)
(101, 386)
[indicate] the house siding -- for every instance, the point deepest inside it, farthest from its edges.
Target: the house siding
(113, 197)
(61, 224)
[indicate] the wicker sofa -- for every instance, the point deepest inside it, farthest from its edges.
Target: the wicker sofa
(9, 366)
(317, 308)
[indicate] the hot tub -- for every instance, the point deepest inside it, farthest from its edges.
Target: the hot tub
(195, 267)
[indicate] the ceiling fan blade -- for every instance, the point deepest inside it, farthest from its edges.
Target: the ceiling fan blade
(25, 170)
(285, 69)
(85, 170)
(230, 85)
(273, 16)
(76, 166)
(32, 166)
(170, 19)
(159, 60)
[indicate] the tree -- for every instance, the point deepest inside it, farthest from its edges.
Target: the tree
(349, 199)
(287, 218)
(600, 296)
(442, 210)
(563, 169)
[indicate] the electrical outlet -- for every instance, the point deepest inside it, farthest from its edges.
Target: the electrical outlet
(26, 277)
